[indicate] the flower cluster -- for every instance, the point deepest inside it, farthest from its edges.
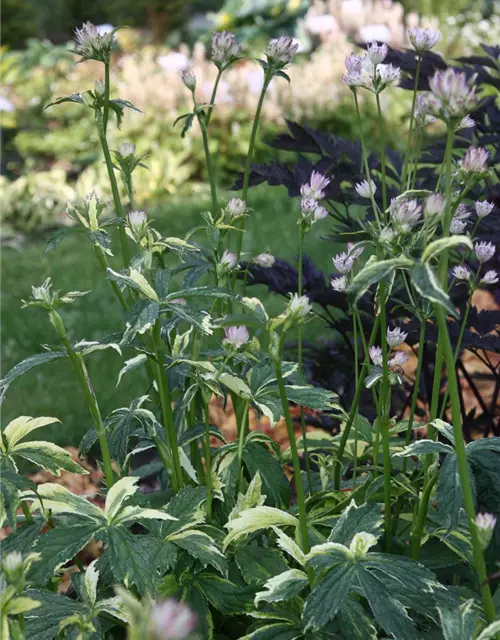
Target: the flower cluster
(280, 51)
(475, 162)
(235, 209)
(368, 71)
(344, 263)
(423, 39)
(404, 214)
(452, 97)
(312, 192)
(395, 338)
(92, 44)
(225, 49)
(235, 337)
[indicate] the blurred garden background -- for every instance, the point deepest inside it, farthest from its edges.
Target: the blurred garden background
(53, 156)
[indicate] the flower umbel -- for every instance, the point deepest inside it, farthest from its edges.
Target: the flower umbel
(92, 45)
(229, 260)
(265, 260)
(235, 208)
(485, 525)
(376, 355)
(484, 251)
(457, 226)
(452, 96)
(461, 273)
(339, 284)
(225, 49)
(366, 189)
(490, 277)
(396, 336)
(235, 337)
(475, 161)
(280, 51)
(423, 39)
(484, 208)
(172, 620)
(298, 307)
(405, 214)
(315, 187)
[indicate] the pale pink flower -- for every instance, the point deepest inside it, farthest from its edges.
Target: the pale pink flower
(236, 337)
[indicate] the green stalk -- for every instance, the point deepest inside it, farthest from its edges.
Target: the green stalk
(300, 367)
(88, 391)
(246, 175)
(416, 388)
(166, 408)
(385, 404)
(463, 468)
(295, 454)
(103, 262)
(208, 461)
(356, 381)
(242, 423)
(419, 522)
(382, 153)
(354, 408)
(417, 156)
(210, 168)
(212, 97)
(26, 512)
(102, 131)
(412, 119)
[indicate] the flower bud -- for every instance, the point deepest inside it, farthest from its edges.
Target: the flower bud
(127, 149)
(461, 273)
(225, 48)
(99, 88)
(137, 218)
(366, 189)
(265, 260)
(376, 355)
(339, 284)
(484, 209)
(485, 525)
(229, 260)
(396, 336)
(319, 213)
(298, 307)
(475, 161)
(235, 208)
(172, 620)
(189, 79)
(235, 337)
(466, 123)
(280, 51)
(490, 277)
(423, 39)
(484, 251)
(434, 204)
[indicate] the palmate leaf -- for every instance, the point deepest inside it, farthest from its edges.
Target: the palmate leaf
(139, 319)
(311, 397)
(449, 491)
(19, 428)
(275, 485)
(328, 594)
(26, 365)
(43, 623)
(283, 586)
(255, 519)
(354, 623)
(48, 456)
(224, 595)
(367, 517)
(426, 283)
(22, 539)
(259, 564)
(459, 623)
(130, 559)
(202, 547)
(61, 501)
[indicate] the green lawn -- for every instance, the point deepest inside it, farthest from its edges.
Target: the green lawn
(52, 389)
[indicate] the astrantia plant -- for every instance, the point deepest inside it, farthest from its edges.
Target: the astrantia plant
(385, 534)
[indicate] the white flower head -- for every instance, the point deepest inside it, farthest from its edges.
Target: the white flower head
(398, 360)
(426, 104)
(315, 187)
(484, 208)
(376, 355)
(99, 88)
(484, 251)
(235, 208)
(462, 212)
(490, 277)
(280, 51)
(485, 525)
(12, 562)
(235, 337)
(396, 336)
(126, 149)
(377, 53)
(457, 227)
(299, 306)
(387, 235)
(453, 96)
(320, 213)
(172, 620)
(466, 123)
(434, 204)
(265, 260)
(343, 262)
(461, 273)
(225, 48)
(423, 39)
(137, 218)
(307, 205)
(475, 161)
(388, 74)
(366, 189)
(93, 45)
(405, 214)
(189, 79)
(339, 284)
(229, 260)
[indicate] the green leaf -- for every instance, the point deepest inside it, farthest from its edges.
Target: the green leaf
(130, 365)
(202, 547)
(424, 447)
(74, 97)
(130, 559)
(139, 319)
(282, 587)
(354, 623)
(491, 632)
(252, 498)
(259, 564)
(135, 280)
(194, 433)
(367, 518)
(449, 491)
(236, 385)
(48, 456)
(58, 546)
(375, 272)
(311, 397)
(327, 596)
(205, 292)
(118, 495)
(459, 623)
(428, 286)
(290, 547)
(274, 482)
(22, 539)
(43, 623)
(275, 631)
(26, 365)
(12, 483)
(197, 318)
(436, 247)
(224, 595)
(19, 428)
(59, 500)
(255, 519)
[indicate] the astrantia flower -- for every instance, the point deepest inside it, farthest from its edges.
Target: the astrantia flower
(137, 218)
(388, 74)
(490, 277)
(387, 235)
(299, 306)
(355, 250)
(355, 75)
(127, 149)
(172, 620)
(314, 188)
(265, 260)
(423, 39)
(189, 79)
(396, 336)
(319, 213)
(229, 260)
(398, 360)
(339, 284)
(485, 525)
(475, 161)
(343, 262)
(484, 251)
(376, 355)
(366, 189)
(235, 208)
(225, 48)
(405, 214)
(307, 205)
(466, 123)
(280, 51)
(235, 337)
(461, 273)
(423, 108)
(434, 204)
(377, 53)
(454, 97)
(484, 208)
(92, 45)
(462, 213)
(99, 88)
(457, 227)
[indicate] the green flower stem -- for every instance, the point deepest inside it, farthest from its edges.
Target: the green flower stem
(412, 119)
(210, 167)
(356, 381)
(165, 457)
(267, 79)
(301, 368)
(417, 156)
(416, 388)
(103, 262)
(421, 515)
(463, 468)
(295, 454)
(88, 391)
(385, 403)
(105, 110)
(208, 460)
(354, 407)
(382, 154)
(212, 97)
(166, 408)
(242, 433)
(26, 512)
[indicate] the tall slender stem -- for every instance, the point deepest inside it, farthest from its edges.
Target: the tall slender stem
(295, 454)
(212, 97)
(105, 109)
(251, 145)
(88, 392)
(300, 365)
(208, 460)
(412, 119)
(210, 168)
(166, 408)
(463, 468)
(416, 387)
(103, 262)
(385, 405)
(355, 316)
(242, 433)
(382, 154)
